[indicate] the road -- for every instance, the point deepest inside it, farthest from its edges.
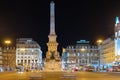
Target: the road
(59, 76)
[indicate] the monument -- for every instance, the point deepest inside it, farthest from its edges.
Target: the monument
(52, 61)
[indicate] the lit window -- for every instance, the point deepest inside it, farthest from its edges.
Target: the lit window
(115, 34)
(78, 54)
(87, 54)
(119, 33)
(68, 54)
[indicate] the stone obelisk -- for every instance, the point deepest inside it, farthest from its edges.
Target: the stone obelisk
(52, 61)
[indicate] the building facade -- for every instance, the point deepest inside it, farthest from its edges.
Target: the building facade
(111, 47)
(108, 51)
(8, 58)
(1, 63)
(28, 54)
(117, 40)
(80, 55)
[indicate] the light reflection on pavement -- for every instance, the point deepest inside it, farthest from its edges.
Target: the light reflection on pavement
(59, 76)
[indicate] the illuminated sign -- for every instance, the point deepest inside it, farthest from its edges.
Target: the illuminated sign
(82, 41)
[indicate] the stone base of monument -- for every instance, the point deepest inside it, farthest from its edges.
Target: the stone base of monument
(52, 65)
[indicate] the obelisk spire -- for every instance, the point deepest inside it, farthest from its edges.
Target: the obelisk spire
(52, 18)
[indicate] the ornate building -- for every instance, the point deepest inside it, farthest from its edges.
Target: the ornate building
(1, 63)
(8, 58)
(52, 61)
(111, 47)
(80, 55)
(117, 40)
(28, 54)
(108, 51)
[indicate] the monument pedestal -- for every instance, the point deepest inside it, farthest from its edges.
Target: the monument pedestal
(52, 65)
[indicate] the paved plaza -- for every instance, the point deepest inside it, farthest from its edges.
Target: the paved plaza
(60, 76)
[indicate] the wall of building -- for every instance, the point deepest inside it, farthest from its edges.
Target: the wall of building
(28, 54)
(108, 51)
(81, 55)
(8, 58)
(1, 63)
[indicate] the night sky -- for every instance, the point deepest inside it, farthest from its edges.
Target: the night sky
(75, 20)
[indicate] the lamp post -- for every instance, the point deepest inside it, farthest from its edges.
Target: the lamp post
(7, 42)
(99, 42)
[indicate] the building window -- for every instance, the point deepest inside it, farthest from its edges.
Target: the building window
(74, 54)
(29, 61)
(82, 61)
(82, 54)
(87, 54)
(91, 54)
(17, 61)
(25, 61)
(95, 54)
(78, 54)
(36, 61)
(115, 34)
(22, 61)
(32, 61)
(68, 54)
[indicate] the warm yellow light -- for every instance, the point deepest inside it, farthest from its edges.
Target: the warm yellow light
(83, 49)
(7, 42)
(99, 41)
(63, 50)
(23, 49)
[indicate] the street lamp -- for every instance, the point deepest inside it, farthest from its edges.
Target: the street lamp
(7, 42)
(99, 42)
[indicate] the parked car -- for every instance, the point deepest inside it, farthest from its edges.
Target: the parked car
(90, 68)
